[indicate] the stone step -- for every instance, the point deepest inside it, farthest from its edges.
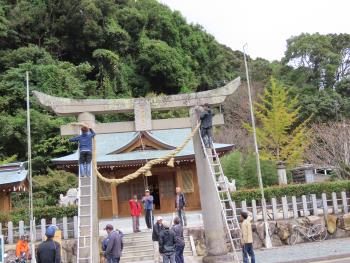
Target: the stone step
(126, 259)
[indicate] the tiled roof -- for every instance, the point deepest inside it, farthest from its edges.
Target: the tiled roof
(12, 173)
(106, 144)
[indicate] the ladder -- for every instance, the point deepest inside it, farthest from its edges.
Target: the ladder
(84, 247)
(228, 208)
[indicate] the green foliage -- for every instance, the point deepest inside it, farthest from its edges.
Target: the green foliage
(55, 183)
(243, 170)
(47, 212)
(96, 49)
(294, 189)
(281, 135)
(46, 189)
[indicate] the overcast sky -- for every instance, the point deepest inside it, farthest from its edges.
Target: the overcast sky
(264, 24)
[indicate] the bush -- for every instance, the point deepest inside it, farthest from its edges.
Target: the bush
(47, 213)
(243, 170)
(293, 189)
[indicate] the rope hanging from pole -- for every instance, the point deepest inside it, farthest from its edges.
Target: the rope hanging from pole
(147, 167)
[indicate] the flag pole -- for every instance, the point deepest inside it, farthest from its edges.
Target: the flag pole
(29, 144)
(268, 243)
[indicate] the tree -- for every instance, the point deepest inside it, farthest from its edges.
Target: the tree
(242, 168)
(324, 59)
(330, 147)
(281, 135)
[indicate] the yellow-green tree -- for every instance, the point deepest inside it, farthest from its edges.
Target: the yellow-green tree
(281, 135)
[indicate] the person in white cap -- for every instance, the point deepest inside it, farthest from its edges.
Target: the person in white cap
(158, 226)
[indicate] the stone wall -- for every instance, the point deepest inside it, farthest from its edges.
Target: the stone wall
(338, 226)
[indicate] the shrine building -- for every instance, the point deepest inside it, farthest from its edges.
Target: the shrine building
(13, 178)
(119, 154)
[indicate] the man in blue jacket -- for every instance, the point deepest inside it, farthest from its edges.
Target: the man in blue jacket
(49, 251)
(85, 149)
(147, 201)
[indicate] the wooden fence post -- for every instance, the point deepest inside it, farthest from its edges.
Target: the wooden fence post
(75, 220)
(295, 207)
(335, 203)
(21, 228)
(345, 202)
(43, 228)
(54, 221)
(274, 208)
(255, 212)
(10, 232)
(285, 207)
(244, 205)
(305, 210)
(324, 203)
(314, 204)
(65, 228)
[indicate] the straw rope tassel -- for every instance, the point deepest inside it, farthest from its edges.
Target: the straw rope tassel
(147, 167)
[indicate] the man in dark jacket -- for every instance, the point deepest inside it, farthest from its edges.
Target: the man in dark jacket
(157, 228)
(167, 243)
(180, 241)
(206, 117)
(85, 149)
(114, 245)
(180, 204)
(49, 251)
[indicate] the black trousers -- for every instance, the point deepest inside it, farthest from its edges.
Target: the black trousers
(149, 218)
(206, 134)
(85, 157)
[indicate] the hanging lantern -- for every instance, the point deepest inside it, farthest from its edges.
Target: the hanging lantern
(171, 162)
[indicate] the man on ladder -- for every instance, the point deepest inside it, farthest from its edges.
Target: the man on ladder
(206, 117)
(85, 149)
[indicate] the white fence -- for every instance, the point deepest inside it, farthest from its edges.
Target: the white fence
(295, 207)
(68, 226)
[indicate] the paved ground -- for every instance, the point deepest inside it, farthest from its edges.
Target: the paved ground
(315, 252)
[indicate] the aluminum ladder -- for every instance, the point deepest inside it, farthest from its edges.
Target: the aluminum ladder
(228, 208)
(84, 244)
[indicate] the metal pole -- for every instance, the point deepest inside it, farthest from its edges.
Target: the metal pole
(32, 223)
(268, 243)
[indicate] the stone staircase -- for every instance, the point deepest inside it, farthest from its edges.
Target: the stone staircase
(138, 247)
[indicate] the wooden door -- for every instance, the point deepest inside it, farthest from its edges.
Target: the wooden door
(167, 192)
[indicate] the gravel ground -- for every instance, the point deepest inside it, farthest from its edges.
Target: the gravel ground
(306, 252)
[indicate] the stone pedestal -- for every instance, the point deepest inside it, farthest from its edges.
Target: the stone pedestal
(211, 207)
(282, 173)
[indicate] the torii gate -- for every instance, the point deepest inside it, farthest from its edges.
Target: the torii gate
(86, 109)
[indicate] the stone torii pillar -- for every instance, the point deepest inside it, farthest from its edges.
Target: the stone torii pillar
(86, 109)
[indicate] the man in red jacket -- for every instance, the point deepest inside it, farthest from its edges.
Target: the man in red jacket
(135, 210)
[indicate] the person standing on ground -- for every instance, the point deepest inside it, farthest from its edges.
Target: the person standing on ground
(135, 211)
(180, 204)
(147, 201)
(247, 238)
(157, 228)
(206, 117)
(85, 149)
(22, 247)
(49, 251)
(114, 248)
(180, 241)
(167, 244)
